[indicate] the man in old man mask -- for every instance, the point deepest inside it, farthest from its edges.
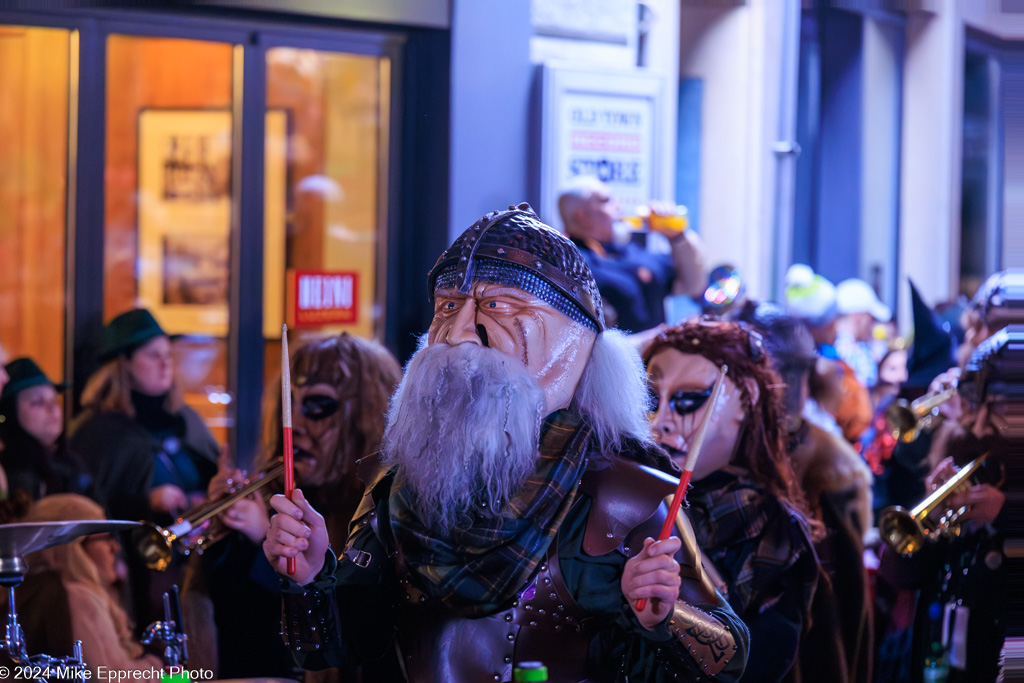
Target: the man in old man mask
(510, 515)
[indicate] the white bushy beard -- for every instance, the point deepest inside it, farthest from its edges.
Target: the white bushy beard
(464, 430)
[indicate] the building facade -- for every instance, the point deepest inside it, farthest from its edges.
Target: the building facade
(237, 164)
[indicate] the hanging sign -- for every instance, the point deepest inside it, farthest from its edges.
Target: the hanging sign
(317, 298)
(610, 138)
(603, 125)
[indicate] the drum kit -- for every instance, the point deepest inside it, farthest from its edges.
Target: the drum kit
(17, 541)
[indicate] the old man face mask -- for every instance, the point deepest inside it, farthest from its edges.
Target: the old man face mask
(511, 283)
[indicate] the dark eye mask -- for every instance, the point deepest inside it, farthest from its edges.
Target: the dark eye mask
(318, 407)
(684, 402)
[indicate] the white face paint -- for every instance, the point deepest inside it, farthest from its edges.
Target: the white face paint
(678, 379)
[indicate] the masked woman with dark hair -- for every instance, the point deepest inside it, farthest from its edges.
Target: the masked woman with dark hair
(748, 512)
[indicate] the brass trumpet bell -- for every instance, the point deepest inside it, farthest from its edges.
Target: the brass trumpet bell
(155, 544)
(905, 530)
(907, 420)
(901, 530)
(901, 420)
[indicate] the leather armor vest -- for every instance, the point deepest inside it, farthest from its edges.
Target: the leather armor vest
(436, 645)
(543, 623)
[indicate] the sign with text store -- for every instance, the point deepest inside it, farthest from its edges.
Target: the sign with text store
(608, 137)
(603, 125)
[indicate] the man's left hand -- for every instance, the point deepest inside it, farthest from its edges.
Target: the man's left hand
(690, 264)
(248, 516)
(653, 574)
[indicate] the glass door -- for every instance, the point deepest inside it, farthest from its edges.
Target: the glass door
(228, 175)
(325, 179)
(168, 202)
(172, 197)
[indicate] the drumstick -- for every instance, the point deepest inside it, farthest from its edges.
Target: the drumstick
(691, 459)
(286, 421)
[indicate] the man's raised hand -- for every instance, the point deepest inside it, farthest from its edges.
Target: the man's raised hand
(653, 574)
(297, 530)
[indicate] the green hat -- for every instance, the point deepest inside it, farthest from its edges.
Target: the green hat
(24, 373)
(127, 332)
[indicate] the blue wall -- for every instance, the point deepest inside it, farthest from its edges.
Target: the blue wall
(837, 247)
(491, 80)
(827, 212)
(691, 98)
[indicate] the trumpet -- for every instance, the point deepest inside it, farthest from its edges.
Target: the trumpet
(905, 530)
(907, 420)
(156, 544)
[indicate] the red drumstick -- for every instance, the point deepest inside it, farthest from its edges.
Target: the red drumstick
(691, 459)
(286, 421)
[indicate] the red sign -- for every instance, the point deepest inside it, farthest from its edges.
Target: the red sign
(602, 141)
(318, 298)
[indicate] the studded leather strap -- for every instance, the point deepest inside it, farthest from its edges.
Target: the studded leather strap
(309, 620)
(543, 623)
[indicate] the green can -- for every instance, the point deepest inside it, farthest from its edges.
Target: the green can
(527, 672)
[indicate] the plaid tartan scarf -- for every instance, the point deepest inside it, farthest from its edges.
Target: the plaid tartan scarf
(477, 570)
(753, 538)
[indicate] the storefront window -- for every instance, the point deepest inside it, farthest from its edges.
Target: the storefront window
(325, 161)
(34, 79)
(169, 202)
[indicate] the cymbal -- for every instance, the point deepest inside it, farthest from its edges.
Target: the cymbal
(17, 540)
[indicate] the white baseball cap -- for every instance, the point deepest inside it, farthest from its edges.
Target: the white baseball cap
(856, 296)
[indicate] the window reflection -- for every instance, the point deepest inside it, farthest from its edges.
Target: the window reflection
(34, 80)
(324, 162)
(168, 202)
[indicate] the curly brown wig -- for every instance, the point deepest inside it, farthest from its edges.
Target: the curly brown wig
(364, 373)
(762, 450)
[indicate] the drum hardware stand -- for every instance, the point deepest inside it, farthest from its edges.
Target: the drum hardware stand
(16, 541)
(12, 571)
(170, 632)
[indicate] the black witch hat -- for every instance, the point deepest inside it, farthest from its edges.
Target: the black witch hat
(934, 349)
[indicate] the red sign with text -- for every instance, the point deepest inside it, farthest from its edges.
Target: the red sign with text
(318, 298)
